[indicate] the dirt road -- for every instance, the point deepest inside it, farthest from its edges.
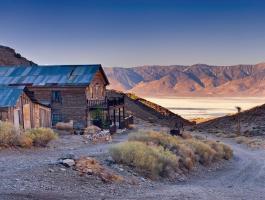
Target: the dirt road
(31, 174)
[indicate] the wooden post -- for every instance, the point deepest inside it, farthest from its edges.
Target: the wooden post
(119, 117)
(114, 116)
(123, 113)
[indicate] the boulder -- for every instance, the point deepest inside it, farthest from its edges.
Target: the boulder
(68, 162)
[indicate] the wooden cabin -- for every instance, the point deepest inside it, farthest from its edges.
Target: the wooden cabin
(73, 92)
(17, 107)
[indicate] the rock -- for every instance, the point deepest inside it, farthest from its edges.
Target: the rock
(51, 170)
(121, 169)
(110, 160)
(91, 130)
(87, 165)
(143, 179)
(68, 162)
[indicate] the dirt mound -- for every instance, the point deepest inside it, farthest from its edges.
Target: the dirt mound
(87, 165)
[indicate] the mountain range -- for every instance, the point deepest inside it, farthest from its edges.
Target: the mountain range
(174, 80)
(194, 80)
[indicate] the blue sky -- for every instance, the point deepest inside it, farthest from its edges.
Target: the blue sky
(134, 32)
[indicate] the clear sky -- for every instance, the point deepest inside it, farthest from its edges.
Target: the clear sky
(135, 32)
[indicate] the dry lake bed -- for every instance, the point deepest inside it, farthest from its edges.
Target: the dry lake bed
(206, 107)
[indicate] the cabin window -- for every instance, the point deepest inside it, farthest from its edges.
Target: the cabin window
(56, 97)
(97, 88)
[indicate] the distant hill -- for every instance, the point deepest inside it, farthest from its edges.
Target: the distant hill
(9, 57)
(195, 80)
(252, 122)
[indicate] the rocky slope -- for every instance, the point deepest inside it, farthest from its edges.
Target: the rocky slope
(195, 80)
(149, 111)
(251, 122)
(8, 56)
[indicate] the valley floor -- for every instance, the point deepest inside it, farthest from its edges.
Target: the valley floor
(32, 174)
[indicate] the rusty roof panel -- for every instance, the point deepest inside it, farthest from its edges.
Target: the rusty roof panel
(46, 75)
(9, 95)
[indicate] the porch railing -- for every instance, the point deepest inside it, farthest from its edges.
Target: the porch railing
(105, 102)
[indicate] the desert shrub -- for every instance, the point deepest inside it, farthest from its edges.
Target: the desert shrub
(24, 141)
(222, 151)
(154, 152)
(8, 134)
(172, 143)
(187, 157)
(157, 138)
(153, 160)
(203, 152)
(186, 135)
(41, 136)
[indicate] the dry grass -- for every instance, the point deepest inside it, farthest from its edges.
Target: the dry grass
(24, 141)
(251, 142)
(149, 150)
(8, 134)
(41, 136)
(154, 160)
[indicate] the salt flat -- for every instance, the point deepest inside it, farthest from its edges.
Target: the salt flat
(206, 107)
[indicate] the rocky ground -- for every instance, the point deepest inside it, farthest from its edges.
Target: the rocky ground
(35, 174)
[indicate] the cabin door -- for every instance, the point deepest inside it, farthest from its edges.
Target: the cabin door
(26, 116)
(16, 118)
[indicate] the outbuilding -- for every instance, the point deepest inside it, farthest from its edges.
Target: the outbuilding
(18, 106)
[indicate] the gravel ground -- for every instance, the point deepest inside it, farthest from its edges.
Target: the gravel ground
(33, 174)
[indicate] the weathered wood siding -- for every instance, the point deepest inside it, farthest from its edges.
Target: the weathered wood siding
(97, 88)
(29, 114)
(72, 106)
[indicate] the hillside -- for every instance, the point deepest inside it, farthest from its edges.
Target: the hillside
(149, 111)
(195, 80)
(252, 122)
(8, 56)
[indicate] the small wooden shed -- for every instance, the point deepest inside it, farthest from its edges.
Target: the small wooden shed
(19, 107)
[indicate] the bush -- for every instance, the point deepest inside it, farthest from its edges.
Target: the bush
(24, 141)
(189, 150)
(41, 136)
(222, 151)
(203, 152)
(172, 143)
(8, 134)
(153, 160)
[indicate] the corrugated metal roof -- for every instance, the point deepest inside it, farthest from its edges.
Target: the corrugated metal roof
(47, 75)
(10, 95)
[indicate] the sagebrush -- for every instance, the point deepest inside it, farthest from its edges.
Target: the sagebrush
(41, 136)
(155, 152)
(11, 136)
(156, 161)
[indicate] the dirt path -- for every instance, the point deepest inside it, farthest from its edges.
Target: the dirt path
(25, 174)
(242, 178)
